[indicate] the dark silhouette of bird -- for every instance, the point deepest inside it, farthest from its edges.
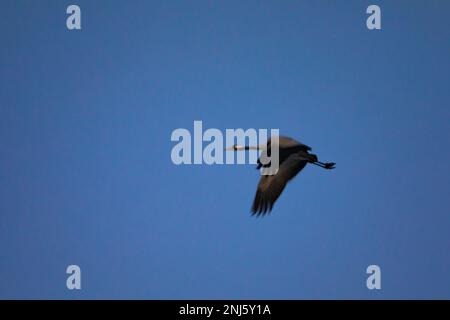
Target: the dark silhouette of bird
(293, 157)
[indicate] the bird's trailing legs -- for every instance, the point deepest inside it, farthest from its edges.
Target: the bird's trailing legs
(327, 165)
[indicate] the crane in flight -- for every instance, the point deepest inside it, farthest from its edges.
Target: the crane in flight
(293, 157)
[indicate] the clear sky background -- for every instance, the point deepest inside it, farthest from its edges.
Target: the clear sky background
(86, 176)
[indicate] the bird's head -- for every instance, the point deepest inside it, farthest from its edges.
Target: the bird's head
(235, 147)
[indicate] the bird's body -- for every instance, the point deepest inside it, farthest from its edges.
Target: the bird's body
(293, 157)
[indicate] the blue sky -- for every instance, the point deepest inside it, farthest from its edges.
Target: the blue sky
(86, 176)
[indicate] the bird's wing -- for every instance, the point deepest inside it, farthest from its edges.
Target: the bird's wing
(270, 187)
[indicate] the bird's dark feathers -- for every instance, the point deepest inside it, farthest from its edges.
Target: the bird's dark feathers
(270, 187)
(293, 157)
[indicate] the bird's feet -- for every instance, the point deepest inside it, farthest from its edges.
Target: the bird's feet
(330, 165)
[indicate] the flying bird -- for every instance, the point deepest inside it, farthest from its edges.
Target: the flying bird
(293, 157)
